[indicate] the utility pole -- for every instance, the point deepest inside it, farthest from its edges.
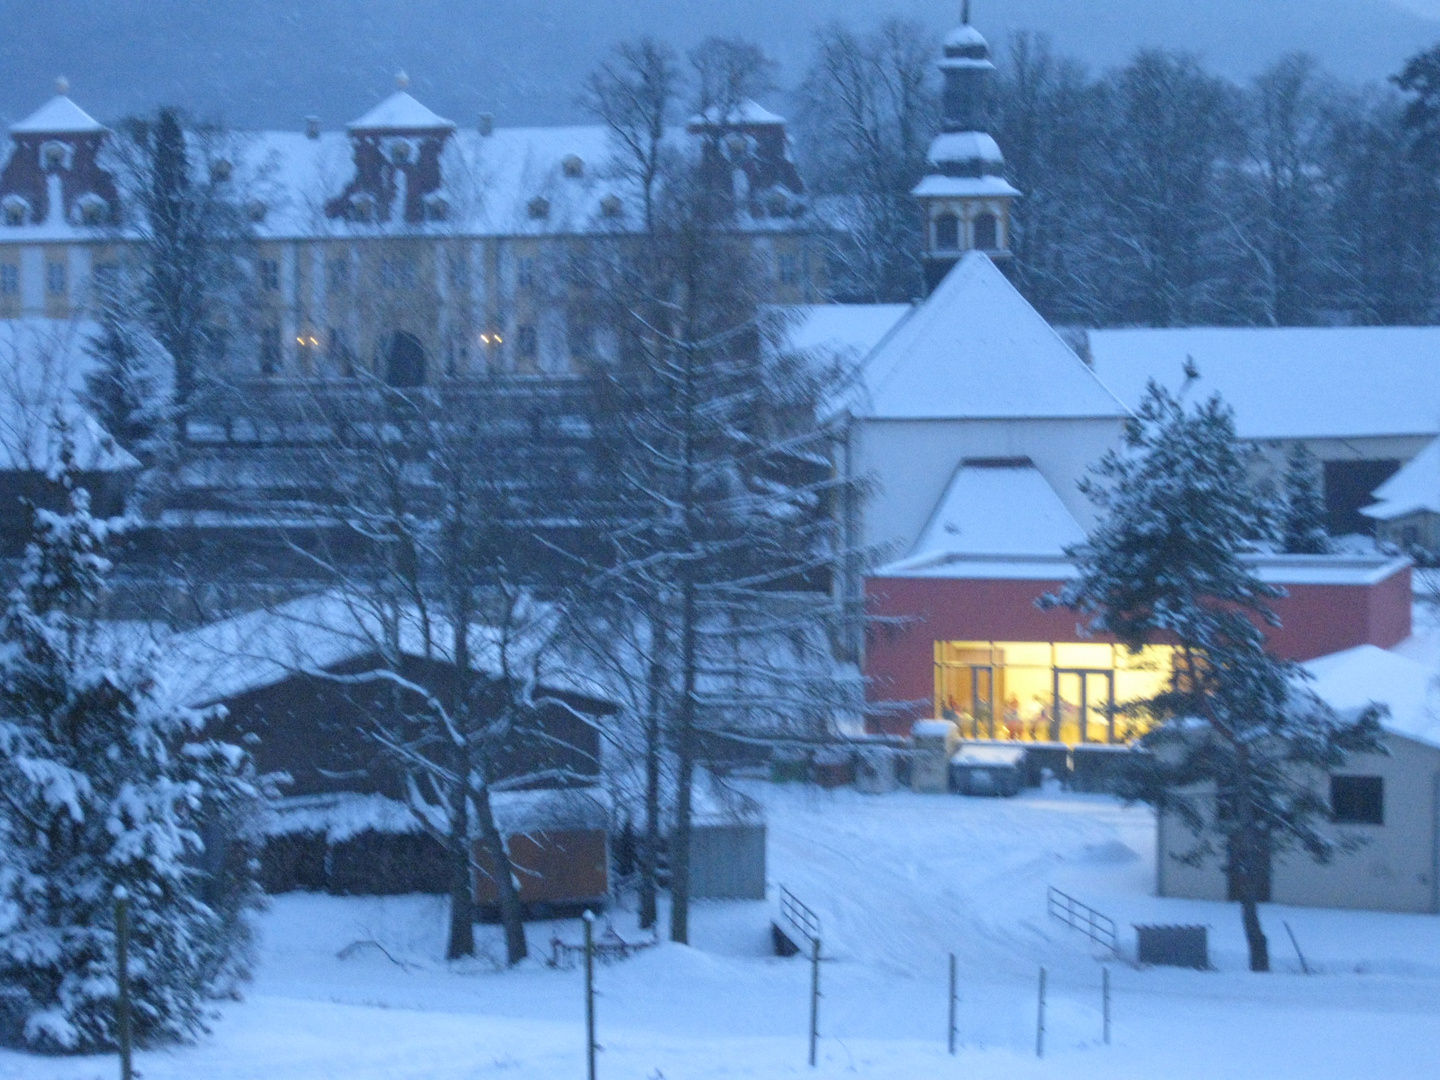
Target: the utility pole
(590, 995)
(953, 995)
(814, 997)
(122, 980)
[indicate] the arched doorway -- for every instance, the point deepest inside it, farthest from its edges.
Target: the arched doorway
(987, 231)
(405, 362)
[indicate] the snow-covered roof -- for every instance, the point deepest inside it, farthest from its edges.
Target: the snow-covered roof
(1311, 382)
(58, 116)
(977, 349)
(489, 184)
(748, 111)
(965, 187)
(965, 36)
(1367, 674)
(848, 331)
(400, 112)
(43, 363)
(965, 146)
(993, 510)
(1412, 490)
(316, 633)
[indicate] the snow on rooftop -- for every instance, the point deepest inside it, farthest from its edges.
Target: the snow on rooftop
(976, 349)
(58, 116)
(965, 146)
(965, 187)
(400, 112)
(488, 181)
(1412, 490)
(996, 509)
(965, 36)
(847, 331)
(1368, 674)
(1310, 382)
(316, 633)
(748, 111)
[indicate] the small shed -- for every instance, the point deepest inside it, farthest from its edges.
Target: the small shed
(1384, 807)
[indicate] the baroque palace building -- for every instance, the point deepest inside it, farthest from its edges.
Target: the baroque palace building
(404, 243)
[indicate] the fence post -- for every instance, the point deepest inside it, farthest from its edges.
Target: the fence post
(589, 920)
(814, 997)
(1105, 992)
(122, 980)
(952, 1002)
(1040, 1019)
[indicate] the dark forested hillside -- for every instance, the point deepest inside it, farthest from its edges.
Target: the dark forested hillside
(270, 62)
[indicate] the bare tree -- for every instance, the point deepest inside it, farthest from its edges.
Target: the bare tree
(723, 487)
(868, 108)
(635, 91)
(425, 520)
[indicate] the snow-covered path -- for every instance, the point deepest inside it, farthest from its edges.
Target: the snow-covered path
(899, 881)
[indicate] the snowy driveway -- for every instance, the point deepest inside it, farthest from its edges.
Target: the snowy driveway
(899, 881)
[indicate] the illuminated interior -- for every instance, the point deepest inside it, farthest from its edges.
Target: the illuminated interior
(1038, 691)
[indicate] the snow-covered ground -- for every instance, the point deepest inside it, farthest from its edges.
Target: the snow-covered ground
(899, 881)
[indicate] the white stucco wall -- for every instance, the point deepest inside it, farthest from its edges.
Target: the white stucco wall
(1393, 868)
(911, 462)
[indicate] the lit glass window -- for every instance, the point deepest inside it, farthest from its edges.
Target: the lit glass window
(1063, 692)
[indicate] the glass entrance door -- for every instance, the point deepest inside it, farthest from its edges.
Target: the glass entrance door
(1084, 707)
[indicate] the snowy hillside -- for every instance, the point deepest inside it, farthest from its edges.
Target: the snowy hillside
(898, 882)
(268, 62)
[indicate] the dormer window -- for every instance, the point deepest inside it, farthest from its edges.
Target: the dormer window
(573, 166)
(55, 155)
(92, 209)
(611, 206)
(256, 210)
(539, 208)
(16, 209)
(362, 206)
(221, 170)
(437, 207)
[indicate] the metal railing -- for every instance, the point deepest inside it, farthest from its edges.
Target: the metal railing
(799, 916)
(1079, 916)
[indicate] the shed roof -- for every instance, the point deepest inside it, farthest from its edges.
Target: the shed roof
(1369, 674)
(1412, 490)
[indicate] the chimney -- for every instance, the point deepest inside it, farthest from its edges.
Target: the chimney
(487, 124)
(312, 127)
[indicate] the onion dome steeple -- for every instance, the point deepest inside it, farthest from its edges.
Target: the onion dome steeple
(966, 198)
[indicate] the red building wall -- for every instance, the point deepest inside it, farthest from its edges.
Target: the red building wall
(900, 659)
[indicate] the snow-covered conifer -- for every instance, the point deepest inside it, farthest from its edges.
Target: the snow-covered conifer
(125, 391)
(102, 786)
(1238, 734)
(1304, 508)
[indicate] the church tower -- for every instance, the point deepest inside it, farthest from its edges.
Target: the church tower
(965, 198)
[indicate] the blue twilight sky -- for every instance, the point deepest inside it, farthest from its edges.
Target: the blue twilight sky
(271, 62)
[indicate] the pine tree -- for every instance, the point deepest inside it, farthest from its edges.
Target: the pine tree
(125, 390)
(103, 786)
(1238, 735)
(1304, 508)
